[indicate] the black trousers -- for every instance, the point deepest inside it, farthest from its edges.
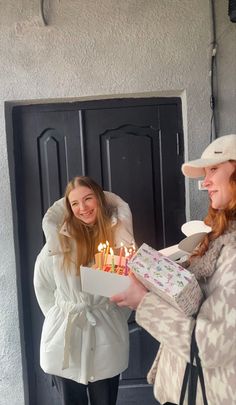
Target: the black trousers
(102, 392)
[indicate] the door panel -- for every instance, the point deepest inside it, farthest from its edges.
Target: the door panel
(127, 140)
(52, 161)
(172, 181)
(47, 147)
(127, 169)
(130, 148)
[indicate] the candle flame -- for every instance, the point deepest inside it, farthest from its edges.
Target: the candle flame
(100, 247)
(111, 252)
(126, 252)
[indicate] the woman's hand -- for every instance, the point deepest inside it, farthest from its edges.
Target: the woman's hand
(132, 296)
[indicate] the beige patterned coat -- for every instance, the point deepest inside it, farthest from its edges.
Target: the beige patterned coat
(215, 335)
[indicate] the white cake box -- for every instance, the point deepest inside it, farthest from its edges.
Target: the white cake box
(173, 283)
(166, 278)
(99, 282)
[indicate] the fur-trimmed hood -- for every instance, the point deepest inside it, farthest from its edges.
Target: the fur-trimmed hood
(121, 214)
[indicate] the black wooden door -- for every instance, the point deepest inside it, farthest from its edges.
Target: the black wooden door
(131, 147)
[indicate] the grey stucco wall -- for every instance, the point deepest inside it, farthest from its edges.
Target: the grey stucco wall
(226, 64)
(105, 48)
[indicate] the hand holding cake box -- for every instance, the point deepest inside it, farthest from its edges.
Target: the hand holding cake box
(108, 276)
(166, 278)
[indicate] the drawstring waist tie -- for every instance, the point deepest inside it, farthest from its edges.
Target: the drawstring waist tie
(78, 314)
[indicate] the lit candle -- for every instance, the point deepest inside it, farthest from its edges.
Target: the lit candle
(100, 248)
(126, 261)
(106, 253)
(99, 260)
(103, 253)
(121, 253)
(112, 260)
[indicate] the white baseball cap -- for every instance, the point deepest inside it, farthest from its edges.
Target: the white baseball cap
(219, 151)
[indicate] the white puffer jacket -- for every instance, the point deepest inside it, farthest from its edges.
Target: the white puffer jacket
(84, 337)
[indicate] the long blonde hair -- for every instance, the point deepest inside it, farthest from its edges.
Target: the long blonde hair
(86, 237)
(219, 220)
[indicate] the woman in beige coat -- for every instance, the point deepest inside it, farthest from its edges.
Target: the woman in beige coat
(214, 265)
(85, 339)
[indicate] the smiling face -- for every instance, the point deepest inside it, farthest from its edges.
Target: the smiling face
(217, 183)
(84, 204)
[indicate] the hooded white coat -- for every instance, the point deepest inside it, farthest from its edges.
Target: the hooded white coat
(84, 337)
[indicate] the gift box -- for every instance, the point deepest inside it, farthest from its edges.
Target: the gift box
(108, 281)
(166, 278)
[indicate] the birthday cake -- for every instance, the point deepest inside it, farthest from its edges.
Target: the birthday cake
(108, 275)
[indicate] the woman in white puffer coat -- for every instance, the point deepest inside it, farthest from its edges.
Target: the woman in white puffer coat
(85, 341)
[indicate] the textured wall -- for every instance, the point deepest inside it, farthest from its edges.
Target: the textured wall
(226, 70)
(103, 48)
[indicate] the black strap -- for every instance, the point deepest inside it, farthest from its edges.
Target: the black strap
(194, 348)
(191, 375)
(185, 384)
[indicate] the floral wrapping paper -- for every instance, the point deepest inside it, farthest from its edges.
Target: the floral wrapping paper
(166, 278)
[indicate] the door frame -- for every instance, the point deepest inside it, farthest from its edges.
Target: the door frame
(26, 353)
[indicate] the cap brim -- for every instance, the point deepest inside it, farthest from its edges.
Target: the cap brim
(195, 226)
(195, 168)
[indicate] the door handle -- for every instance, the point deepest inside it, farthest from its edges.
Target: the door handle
(177, 144)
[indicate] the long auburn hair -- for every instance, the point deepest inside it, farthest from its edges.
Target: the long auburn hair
(219, 220)
(86, 237)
